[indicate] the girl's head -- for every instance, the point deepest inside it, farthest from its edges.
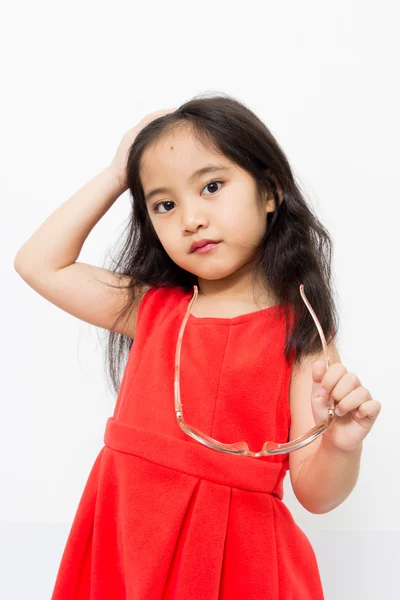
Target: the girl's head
(193, 190)
(250, 201)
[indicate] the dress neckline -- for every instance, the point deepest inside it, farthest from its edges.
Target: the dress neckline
(270, 311)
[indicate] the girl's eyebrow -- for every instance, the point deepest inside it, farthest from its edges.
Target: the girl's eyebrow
(195, 175)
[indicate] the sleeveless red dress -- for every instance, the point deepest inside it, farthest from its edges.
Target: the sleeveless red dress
(163, 516)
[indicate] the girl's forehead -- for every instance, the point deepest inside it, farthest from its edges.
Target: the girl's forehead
(177, 154)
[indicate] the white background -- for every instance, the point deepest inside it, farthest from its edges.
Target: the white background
(324, 78)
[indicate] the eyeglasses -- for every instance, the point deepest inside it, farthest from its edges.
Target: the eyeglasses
(241, 448)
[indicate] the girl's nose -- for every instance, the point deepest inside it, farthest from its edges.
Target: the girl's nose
(193, 218)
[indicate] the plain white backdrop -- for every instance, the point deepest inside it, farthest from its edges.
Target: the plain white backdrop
(324, 78)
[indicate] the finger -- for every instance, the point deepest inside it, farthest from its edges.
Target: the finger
(346, 385)
(369, 409)
(352, 401)
(318, 372)
(320, 409)
(332, 377)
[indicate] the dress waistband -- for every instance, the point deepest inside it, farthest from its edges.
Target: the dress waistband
(243, 472)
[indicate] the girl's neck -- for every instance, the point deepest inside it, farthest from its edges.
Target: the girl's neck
(236, 292)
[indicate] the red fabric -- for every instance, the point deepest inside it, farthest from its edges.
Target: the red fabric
(161, 515)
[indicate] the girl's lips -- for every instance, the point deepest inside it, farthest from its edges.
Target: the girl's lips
(202, 243)
(206, 248)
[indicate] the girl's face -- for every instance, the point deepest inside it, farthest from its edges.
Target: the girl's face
(220, 204)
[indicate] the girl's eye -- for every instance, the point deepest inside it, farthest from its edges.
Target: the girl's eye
(154, 209)
(213, 182)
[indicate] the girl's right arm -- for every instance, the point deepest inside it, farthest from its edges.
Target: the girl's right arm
(48, 259)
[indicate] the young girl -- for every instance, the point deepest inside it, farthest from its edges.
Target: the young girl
(224, 286)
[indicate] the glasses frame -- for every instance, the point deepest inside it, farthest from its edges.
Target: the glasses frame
(242, 448)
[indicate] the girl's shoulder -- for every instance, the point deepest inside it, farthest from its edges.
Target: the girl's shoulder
(160, 300)
(165, 294)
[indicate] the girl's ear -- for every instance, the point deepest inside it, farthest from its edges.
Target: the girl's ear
(271, 204)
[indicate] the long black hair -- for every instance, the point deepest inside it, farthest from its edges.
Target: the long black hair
(296, 247)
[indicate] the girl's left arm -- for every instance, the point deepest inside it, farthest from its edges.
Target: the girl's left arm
(327, 477)
(329, 472)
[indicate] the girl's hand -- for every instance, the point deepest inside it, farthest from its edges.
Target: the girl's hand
(119, 162)
(358, 411)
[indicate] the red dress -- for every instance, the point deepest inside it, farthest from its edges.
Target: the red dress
(163, 516)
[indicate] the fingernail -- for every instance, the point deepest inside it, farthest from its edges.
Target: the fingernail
(322, 392)
(338, 412)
